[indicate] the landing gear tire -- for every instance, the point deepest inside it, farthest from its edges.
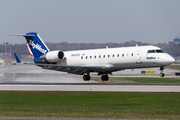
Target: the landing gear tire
(86, 77)
(104, 78)
(162, 74)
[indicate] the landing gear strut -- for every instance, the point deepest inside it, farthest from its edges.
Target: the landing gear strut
(162, 74)
(104, 78)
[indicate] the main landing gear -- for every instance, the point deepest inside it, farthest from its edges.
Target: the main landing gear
(86, 77)
(162, 74)
(103, 77)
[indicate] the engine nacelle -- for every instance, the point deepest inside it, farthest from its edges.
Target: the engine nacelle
(53, 56)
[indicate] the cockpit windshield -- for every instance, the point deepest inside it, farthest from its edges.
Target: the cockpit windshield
(159, 51)
(151, 51)
(155, 51)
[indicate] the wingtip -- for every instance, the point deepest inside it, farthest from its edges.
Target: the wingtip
(17, 59)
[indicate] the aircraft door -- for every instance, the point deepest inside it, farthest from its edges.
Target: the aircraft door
(138, 57)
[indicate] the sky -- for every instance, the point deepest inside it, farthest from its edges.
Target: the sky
(90, 21)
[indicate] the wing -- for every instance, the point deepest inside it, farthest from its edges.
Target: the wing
(17, 59)
(80, 70)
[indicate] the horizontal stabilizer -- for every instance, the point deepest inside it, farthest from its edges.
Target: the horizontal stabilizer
(19, 35)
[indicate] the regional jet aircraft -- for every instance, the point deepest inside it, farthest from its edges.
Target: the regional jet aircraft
(103, 61)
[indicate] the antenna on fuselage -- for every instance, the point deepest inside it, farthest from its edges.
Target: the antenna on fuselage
(136, 45)
(106, 47)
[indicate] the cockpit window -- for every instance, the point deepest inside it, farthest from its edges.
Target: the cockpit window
(155, 51)
(159, 51)
(151, 51)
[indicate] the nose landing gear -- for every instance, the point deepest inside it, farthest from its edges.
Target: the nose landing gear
(162, 74)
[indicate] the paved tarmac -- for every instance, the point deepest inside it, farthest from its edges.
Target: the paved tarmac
(21, 73)
(93, 87)
(33, 78)
(33, 74)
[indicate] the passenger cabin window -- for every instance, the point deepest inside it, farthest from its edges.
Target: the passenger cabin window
(90, 57)
(151, 51)
(103, 56)
(86, 57)
(82, 57)
(113, 55)
(122, 55)
(95, 56)
(117, 55)
(132, 54)
(99, 56)
(108, 56)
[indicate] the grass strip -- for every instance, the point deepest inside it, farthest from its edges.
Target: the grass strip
(90, 105)
(175, 67)
(140, 80)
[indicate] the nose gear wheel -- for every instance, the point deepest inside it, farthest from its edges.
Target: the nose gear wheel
(162, 74)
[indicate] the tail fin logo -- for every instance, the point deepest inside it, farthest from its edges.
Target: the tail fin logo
(36, 46)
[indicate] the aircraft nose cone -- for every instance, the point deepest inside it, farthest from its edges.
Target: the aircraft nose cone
(167, 60)
(171, 60)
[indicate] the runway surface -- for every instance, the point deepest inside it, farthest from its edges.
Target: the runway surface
(93, 87)
(33, 78)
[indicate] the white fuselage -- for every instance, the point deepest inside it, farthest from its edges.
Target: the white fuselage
(118, 58)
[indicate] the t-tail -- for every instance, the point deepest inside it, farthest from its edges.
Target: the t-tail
(37, 46)
(39, 50)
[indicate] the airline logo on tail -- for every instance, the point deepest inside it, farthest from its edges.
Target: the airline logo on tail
(30, 52)
(36, 46)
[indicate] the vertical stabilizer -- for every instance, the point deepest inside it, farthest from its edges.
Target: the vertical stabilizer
(36, 44)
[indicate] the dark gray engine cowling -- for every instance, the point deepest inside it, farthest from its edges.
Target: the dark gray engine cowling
(53, 56)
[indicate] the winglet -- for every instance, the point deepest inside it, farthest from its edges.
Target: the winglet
(17, 59)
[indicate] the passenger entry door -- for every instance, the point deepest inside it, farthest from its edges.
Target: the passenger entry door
(138, 57)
